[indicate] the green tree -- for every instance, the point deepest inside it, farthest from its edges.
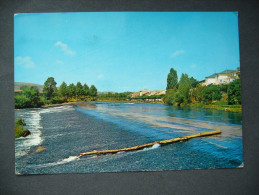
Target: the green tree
(172, 79)
(194, 82)
(93, 91)
(169, 97)
(211, 93)
(63, 89)
(234, 92)
(49, 89)
(79, 90)
(198, 93)
(30, 98)
(71, 89)
(183, 90)
(85, 90)
(33, 95)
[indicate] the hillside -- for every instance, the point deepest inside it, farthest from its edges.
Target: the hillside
(18, 85)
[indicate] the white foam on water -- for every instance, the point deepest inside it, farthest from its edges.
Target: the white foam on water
(33, 124)
(23, 144)
(57, 109)
(155, 146)
(63, 161)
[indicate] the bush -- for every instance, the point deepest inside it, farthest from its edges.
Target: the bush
(20, 122)
(18, 127)
(234, 92)
(30, 98)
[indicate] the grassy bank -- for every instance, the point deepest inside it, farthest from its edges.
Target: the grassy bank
(229, 108)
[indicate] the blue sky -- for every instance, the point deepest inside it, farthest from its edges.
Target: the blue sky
(123, 51)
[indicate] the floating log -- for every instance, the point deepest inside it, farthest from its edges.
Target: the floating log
(163, 142)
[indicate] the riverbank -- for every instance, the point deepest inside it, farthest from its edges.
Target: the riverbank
(228, 108)
(215, 106)
(225, 107)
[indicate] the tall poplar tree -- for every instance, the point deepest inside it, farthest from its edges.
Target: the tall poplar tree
(172, 79)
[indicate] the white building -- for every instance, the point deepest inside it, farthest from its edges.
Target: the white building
(224, 77)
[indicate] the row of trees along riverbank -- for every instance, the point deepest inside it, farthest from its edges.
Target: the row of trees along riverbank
(188, 91)
(32, 98)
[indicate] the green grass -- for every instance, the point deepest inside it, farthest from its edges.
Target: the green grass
(18, 130)
(219, 106)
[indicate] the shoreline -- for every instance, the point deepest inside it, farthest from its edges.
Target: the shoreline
(226, 108)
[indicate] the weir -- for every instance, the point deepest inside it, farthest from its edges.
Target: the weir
(139, 147)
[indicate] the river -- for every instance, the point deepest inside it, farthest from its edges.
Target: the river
(64, 132)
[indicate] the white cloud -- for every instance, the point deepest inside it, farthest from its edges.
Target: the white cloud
(64, 48)
(177, 53)
(25, 62)
(100, 76)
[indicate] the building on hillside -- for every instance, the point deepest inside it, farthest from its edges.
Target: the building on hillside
(161, 92)
(223, 77)
(154, 92)
(144, 92)
(135, 94)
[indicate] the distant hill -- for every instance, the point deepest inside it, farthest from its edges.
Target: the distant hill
(18, 85)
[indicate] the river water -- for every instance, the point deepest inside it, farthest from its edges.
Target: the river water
(64, 132)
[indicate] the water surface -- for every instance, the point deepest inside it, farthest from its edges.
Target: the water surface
(66, 131)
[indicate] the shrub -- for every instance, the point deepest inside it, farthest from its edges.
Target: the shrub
(18, 127)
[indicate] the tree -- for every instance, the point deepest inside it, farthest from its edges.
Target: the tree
(33, 95)
(79, 90)
(49, 88)
(71, 90)
(93, 91)
(169, 97)
(183, 89)
(30, 98)
(194, 82)
(172, 79)
(85, 90)
(63, 89)
(211, 93)
(234, 92)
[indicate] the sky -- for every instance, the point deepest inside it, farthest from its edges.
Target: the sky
(123, 51)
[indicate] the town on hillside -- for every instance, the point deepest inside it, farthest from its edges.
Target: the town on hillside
(224, 77)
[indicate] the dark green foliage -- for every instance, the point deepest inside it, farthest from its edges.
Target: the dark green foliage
(85, 90)
(234, 92)
(30, 98)
(63, 89)
(172, 79)
(18, 127)
(149, 97)
(169, 97)
(93, 91)
(79, 90)
(224, 88)
(114, 96)
(183, 90)
(197, 93)
(20, 122)
(71, 90)
(188, 90)
(50, 89)
(211, 93)
(194, 82)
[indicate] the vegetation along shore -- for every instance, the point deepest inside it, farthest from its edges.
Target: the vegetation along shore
(187, 91)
